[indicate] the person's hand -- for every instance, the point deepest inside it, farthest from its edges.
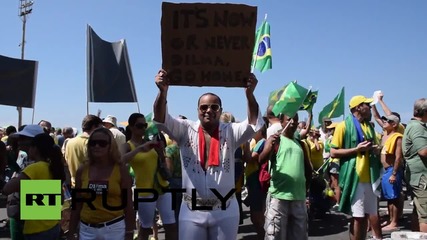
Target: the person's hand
(251, 84)
(392, 179)
(380, 96)
(273, 141)
(364, 146)
(149, 145)
(162, 80)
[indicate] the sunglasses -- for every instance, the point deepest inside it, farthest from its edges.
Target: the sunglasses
(213, 107)
(141, 125)
(101, 143)
(388, 121)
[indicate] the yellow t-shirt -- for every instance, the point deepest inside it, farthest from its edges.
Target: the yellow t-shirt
(144, 165)
(362, 161)
(113, 184)
(38, 171)
(316, 156)
(390, 143)
(76, 154)
(251, 166)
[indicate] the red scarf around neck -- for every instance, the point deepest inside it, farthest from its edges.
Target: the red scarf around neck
(213, 150)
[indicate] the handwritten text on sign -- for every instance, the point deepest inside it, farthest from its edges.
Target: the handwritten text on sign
(208, 44)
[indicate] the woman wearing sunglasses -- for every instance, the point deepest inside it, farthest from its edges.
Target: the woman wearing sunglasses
(48, 165)
(103, 174)
(207, 153)
(142, 155)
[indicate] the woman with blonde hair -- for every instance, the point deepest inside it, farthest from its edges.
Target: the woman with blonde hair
(103, 174)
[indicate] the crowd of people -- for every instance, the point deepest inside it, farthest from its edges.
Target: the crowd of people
(194, 173)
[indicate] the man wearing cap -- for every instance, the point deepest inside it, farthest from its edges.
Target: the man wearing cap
(110, 122)
(387, 112)
(415, 154)
(353, 142)
(391, 158)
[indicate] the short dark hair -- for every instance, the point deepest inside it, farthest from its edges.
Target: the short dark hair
(134, 117)
(90, 121)
(212, 94)
(10, 130)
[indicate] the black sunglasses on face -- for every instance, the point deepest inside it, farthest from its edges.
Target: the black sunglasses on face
(213, 107)
(101, 143)
(141, 125)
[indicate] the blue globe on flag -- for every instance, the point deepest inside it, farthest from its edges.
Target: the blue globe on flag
(264, 46)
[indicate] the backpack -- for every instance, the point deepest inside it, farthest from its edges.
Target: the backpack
(264, 171)
(13, 206)
(264, 177)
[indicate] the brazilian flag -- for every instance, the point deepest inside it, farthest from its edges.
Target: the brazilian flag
(309, 101)
(262, 51)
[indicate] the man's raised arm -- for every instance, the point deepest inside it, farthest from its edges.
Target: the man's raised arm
(253, 108)
(159, 108)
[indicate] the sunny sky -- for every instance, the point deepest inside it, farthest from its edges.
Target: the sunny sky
(363, 45)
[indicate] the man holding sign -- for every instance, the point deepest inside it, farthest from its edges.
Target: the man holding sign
(209, 209)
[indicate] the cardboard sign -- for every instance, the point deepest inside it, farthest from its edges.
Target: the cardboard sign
(208, 44)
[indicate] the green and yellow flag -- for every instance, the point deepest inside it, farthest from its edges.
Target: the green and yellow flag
(262, 59)
(309, 101)
(290, 100)
(275, 95)
(333, 109)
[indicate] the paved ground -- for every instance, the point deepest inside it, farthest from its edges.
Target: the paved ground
(333, 227)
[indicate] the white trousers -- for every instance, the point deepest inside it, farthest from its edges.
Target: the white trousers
(146, 211)
(112, 232)
(216, 224)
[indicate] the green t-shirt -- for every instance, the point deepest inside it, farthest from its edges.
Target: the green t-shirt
(415, 139)
(287, 173)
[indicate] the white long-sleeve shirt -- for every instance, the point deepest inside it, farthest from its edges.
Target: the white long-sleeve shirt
(221, 177)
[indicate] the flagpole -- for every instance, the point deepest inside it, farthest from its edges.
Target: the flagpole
(137, 104)
(257, 50)
(87, 108)
(32, 120)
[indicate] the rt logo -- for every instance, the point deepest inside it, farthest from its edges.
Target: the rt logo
(40, 199)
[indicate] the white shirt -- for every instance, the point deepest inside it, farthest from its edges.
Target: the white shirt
(118, 136)
(323, 139)
(221, 177)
